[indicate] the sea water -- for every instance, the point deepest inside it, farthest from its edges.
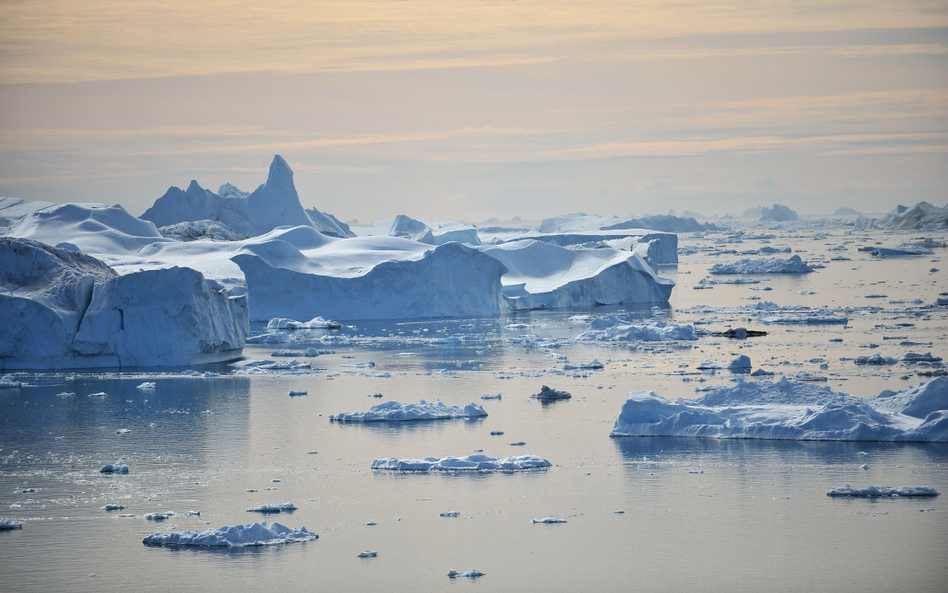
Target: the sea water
(665, 514)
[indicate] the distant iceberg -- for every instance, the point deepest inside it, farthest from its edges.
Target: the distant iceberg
(773, 265)
(791, 410)
(481, 463)
(238, 536)
(273, 204)
(883, 491)
(399, 412)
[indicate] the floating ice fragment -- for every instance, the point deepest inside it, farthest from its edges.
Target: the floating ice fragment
(517, 444)
(739, 363)
(146, 385)
(450, 514)
(471, 574)
(314, 323)
(496, 433)
(10, 524)
(114, 468)
(251, 534)
(368, 554)
(550, 519)
(286, 507)
(299, 392)
(396, 412)
(551, 394)
(489, 396)
(122, 431)
(159, 516)
(193, 514)
(470, 463)
(864, 466)
(880, 491)
(99, 394)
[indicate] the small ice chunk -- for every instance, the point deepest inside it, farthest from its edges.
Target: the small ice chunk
(551, 394)
(550, 519)
(10, 524)
(450, 514)
(496, 433)
(880, 491)
(251, 534)
(114, 468)
(489, 396)
(368, 554)
(393, 411)
(146, 385)
(159, 516)
(113, 507)
(286, 507)
(471, 574)
(99, 394)
(298, 392)
(122, 431)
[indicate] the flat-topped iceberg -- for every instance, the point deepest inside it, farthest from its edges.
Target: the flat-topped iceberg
(791, 410)
(370, 278)
(238, 536)
(481, 463)
(543, 275)
(612, 328)
(398, 412)
(773, 265)
(880, 491)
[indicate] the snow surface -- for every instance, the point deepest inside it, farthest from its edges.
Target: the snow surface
(251, 534)
(468, 463)
(791, 410)
(879, 491)
(773, 265)
(543, 275)
(397, 412)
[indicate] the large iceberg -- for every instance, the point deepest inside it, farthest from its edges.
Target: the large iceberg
(545, 276)
(397, 412)
(63, 309)
(273, 204)
(481, 463)
(791, 410)
(370, 278)
(238, 536)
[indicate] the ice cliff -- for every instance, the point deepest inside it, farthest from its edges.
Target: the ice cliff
(273, 204)
(370, 278)
(63, 309)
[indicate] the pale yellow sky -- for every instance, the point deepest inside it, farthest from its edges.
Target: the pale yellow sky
(467, 109)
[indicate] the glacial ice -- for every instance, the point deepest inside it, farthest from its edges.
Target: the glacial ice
(273, 204)
(481, 463)
(543, 275)
(251, 534)
(397, 412)
(63, 309)
(791, 410)
(880, 491)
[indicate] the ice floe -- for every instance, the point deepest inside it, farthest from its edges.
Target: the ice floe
(471, 574)
(397, 412)
(791, 410)
(114, 468)
(251, 534)
(368, 554)
(10, 524)
(612, 328)
(791, 265)
(881, 491)
(481, 463)
(550, 520)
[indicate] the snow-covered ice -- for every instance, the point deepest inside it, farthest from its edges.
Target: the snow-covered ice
(469, 463)
(251, 534)
(791, 410)
(397, 412)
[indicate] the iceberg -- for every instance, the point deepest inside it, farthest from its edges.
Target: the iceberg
(791, 410)
(546, 276)
(481, 463)
(64, 309)
(251, 534)
(471, 574)
(880, 491)
(549, 520)
(741, 363)
(397, 412)
(370, 278)
(10, 524)
(8, 382)
(201, 230)
(773, 265)
(314, 323)
(922, 216)
(114, 468)
(273, 204)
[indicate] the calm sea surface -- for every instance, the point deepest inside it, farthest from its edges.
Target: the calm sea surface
(648, 514)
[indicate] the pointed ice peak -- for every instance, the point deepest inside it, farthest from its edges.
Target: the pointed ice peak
(279, 168)
(194, 187)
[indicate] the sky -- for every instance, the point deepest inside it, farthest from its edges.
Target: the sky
(468, 110)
